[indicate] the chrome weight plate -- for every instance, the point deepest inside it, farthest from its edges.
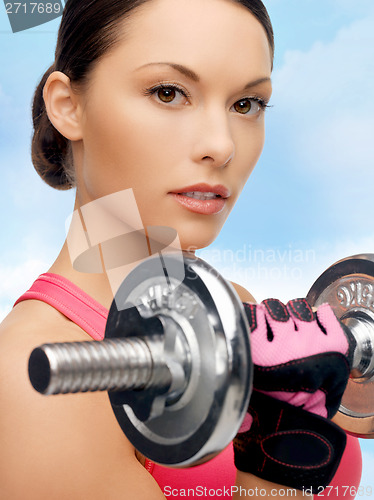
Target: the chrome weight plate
(206, 348)
(348, 286)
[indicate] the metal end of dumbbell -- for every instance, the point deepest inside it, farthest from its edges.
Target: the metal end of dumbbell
(206, 349)
(76, 367)
(348, 286)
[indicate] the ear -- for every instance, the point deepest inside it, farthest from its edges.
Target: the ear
(63, 106)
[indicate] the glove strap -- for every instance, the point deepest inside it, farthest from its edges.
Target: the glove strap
(288, 445)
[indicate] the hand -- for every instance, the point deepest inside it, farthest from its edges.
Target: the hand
(301, 368)
(300, 356)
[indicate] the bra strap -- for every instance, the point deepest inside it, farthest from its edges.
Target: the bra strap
(71, 301)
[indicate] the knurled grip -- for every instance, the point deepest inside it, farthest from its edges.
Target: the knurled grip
(108, 365)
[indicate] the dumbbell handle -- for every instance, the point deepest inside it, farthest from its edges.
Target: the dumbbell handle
(127, 363)
(361, 327)
(109, 365)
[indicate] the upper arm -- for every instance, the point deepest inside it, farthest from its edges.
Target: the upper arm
(243, 293)
(66, 446)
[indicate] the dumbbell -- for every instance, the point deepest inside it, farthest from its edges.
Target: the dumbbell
(176, 358)
(175, 361)
(348, 286)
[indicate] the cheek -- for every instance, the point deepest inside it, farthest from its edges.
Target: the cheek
(250, 143)
(129, 143)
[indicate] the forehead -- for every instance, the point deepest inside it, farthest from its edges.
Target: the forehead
(220, 33)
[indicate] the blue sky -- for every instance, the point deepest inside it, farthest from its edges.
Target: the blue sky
(307, 204)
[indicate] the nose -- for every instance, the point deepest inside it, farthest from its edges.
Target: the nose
(214, 143)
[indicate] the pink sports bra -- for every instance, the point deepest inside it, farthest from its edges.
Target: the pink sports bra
(215, 478)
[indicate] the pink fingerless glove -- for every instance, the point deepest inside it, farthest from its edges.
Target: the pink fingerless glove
(301, 368)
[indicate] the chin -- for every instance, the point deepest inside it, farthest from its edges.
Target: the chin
(195, 240)
(193, 234)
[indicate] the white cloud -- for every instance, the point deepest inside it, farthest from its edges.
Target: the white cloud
(15, 280)
(324, 99)
(282, 272)
(4, 311)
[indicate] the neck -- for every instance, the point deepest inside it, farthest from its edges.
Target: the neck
(105, 241)
(94, 284)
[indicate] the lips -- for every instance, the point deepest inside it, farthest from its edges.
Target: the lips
(202, 198)
(218, 190)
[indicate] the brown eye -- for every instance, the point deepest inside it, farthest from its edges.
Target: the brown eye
(166, 94)
(244, 106)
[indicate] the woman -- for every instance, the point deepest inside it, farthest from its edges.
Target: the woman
(164, 100)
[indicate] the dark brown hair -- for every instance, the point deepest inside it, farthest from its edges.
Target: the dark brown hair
(88, 29)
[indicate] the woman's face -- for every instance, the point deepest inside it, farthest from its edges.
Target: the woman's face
(177, 107)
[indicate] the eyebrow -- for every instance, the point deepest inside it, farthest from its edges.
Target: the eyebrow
(179, 67)
(189, 73)
(257, 82)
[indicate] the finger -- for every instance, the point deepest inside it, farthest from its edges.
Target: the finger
(338, 336)
(258, 325)
(278, 320)
(281, 331)
(301, 311)
(277, 310)
(250, 311)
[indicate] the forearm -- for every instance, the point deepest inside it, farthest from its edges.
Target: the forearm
(249, 485)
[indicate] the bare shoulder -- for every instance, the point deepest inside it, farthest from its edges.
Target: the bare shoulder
(33, 320)
(68, 446)
(243, 293)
